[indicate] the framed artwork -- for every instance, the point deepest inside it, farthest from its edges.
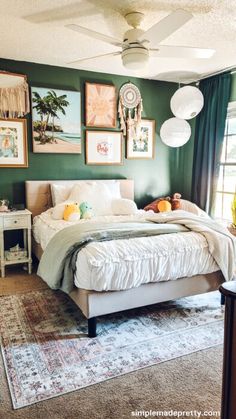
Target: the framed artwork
(13, 143)
(56, 119)
(141, 142)
(103, 147)
(100, 105)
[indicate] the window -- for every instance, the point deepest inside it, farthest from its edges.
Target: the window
(227, 178)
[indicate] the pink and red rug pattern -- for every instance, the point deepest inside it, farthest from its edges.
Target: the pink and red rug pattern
(47, 353)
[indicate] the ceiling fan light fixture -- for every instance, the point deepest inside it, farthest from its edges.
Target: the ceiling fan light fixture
(135, 58)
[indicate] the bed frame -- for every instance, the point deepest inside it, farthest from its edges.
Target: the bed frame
(94, 303)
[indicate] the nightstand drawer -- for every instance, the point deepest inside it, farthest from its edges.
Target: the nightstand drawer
(15, 222)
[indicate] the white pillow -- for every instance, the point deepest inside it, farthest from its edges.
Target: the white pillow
(114, 188)
(123, 207)
(61, 192)
(96, 194)
(193, 208)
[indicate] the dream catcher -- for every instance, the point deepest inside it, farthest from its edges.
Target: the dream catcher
(130, 108)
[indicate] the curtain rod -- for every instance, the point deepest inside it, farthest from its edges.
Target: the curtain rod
(216, 73)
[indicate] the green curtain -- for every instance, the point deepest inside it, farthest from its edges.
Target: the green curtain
(209, 135)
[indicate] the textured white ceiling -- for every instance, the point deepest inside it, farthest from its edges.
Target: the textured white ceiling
(34, 30)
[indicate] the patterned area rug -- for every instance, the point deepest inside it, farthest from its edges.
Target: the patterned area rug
(46, 351)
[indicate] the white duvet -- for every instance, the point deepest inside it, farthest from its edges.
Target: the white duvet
(123, 264)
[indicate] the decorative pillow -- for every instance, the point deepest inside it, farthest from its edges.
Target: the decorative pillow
(123, 207)
(60, 193)
(114, 188)
(193, 208)
(71, 212)
(97, 194)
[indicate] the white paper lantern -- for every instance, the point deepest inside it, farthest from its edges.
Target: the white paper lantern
(175, 132)
(187, 102)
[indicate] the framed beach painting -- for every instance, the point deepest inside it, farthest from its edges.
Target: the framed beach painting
(56, 118)
(103, 147)
(100, 105)
(141, 141)
(13, 143)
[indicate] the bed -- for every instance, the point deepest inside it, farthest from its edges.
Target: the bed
(94, 303)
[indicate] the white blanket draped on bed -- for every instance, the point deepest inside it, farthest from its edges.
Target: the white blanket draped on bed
(222, 244)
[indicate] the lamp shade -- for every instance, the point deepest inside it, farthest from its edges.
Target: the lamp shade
(187, 102)
(175, 132)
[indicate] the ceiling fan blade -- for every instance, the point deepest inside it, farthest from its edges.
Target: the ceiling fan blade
(109, 54)
(161, 30)
(181, 52)
(97, 35)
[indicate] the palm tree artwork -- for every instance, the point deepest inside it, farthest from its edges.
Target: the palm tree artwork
(56, 118)
(57, 104)
(48, 107)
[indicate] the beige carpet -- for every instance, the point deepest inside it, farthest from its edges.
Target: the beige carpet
(17, 281)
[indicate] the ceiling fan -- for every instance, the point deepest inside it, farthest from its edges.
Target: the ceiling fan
(138, 45)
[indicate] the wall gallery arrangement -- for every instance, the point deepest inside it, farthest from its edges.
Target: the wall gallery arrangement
(104, 147)
(13, 143)
(100, 111)
(56, 121)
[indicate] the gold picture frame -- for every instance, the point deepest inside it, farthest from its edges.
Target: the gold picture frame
(13, 143)
(100, 105)
(104, 148)
(141, 143)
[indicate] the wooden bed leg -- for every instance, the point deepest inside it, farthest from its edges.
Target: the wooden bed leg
(222, 300)
(92, 324)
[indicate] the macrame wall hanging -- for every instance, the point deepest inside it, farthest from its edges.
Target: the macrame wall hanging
(14, 95)
(130, 108)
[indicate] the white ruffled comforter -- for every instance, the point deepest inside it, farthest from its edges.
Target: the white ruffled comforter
(123, 264)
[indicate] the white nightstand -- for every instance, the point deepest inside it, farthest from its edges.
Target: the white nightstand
(15, 220)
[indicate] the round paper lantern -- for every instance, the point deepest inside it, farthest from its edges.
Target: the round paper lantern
(187, 102)
(175, 132)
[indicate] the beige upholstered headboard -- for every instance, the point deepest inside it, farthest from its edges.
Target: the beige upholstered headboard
(38, 192)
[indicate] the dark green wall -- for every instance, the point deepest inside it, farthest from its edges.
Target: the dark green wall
(152, 177)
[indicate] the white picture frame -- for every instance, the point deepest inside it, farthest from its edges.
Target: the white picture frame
(104, 148)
